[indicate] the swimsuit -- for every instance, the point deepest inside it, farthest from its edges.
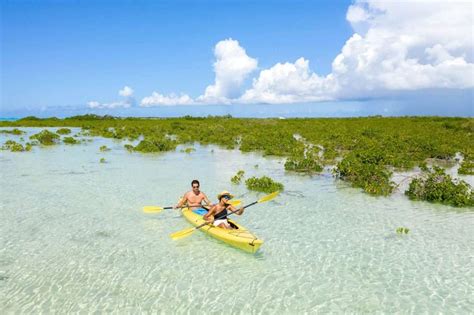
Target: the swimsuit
(221, 217)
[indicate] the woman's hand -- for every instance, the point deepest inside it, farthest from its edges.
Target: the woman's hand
(209, 219)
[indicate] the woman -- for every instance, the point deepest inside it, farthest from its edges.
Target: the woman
(217, 215)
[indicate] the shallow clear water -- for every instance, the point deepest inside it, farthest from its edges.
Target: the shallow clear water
(74, 238)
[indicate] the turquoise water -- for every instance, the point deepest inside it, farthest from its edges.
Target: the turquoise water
(74, 239)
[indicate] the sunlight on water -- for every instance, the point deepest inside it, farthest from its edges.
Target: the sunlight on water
(74, 238)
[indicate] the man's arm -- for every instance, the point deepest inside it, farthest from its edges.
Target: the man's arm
(206, 200)
(182, 201)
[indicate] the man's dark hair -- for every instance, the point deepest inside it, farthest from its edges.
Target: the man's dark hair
(195, 181)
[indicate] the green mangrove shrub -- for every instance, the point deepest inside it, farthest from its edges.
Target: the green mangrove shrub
(263, 184)
(188, 150)
(63, 131)
(29, 118)
(237, 178)
(14, 146)
(404, 142)
(402, 230)
(14, 131)
(129, 147)
(70, 140)
(152, 145)
(102, 160)
(467, 168)
(366, 170)
(46, 137)
(104, 148)
(275, 142)
(306, 163)
(91, 117)
(438, 187)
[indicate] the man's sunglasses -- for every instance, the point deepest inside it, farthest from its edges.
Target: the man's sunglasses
(195, 186)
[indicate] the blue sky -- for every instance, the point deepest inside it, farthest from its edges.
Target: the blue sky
(59, 57)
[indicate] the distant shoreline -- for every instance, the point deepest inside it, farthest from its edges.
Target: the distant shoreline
(107, 117)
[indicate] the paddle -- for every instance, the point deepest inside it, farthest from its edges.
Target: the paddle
(186, 232)
(156, 209)
(153, 209)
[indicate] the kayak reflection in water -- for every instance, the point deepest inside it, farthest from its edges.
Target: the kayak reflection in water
(217, 215)
(194, 198)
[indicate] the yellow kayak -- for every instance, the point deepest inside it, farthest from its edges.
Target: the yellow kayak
(240, 237)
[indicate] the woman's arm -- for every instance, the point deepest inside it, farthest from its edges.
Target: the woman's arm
(209, 216)
(238, 212)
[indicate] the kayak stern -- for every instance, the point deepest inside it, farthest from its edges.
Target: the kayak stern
(240, 238)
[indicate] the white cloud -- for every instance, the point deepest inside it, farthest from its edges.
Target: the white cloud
(401, 46)
(396, 46)
(288, 83)
(93, 104)
(98, 105)
(232, 67)
(159, 99)
(126, 91)
(356, 14)
(407, 47)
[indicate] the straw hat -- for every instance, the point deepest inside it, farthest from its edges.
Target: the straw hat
(223, 193)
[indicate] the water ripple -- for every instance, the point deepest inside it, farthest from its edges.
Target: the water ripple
(74, 240)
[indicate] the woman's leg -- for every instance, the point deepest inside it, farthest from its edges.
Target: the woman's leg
(224, 226)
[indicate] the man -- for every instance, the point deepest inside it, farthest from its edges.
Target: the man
(194, 198)
(217, 215)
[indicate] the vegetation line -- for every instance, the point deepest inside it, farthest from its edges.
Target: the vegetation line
(365, 151)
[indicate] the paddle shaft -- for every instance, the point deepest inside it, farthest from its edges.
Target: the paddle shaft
(202, 206)
(244, 207)
(164, 208)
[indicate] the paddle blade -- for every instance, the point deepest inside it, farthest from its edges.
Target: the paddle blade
(269, 197)
(182, 234)
(235, 202)
(152, 209)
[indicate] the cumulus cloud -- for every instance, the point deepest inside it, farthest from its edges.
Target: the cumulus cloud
(406, 47)
(232, 67)
(98, 105)
(93, 104)
(288, 83)
(159, 99)
(129, 101)
(356, 14)
(396, 46)
(126, 91)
